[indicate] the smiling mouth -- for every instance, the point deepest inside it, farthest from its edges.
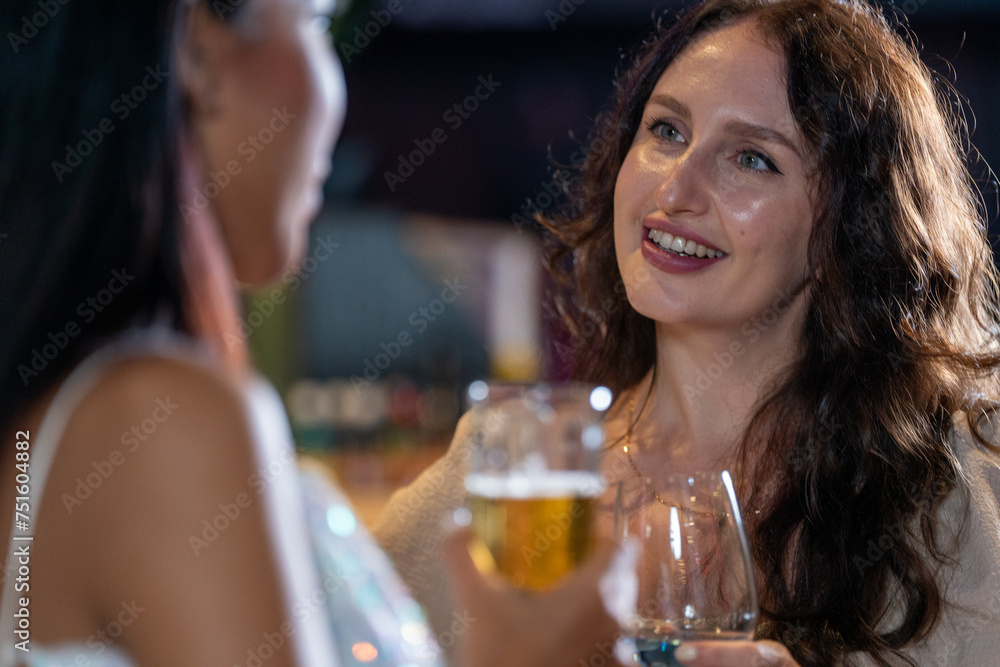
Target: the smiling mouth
(679, 245)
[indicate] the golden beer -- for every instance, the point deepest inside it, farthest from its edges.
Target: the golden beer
(533, 531)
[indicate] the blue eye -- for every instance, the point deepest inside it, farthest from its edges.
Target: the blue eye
(755, 161)
(664, 130)
(752, 161)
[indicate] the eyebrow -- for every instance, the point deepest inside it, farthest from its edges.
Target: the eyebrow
(750, 130)
(672, 103)
(761, 133)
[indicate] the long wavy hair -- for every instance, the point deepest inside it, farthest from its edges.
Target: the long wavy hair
(900, 335)
(92, 241)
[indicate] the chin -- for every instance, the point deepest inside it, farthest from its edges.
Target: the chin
(279, 251)
(267, 267)
(259, 276)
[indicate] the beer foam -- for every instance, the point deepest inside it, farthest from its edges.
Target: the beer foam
(561, 484)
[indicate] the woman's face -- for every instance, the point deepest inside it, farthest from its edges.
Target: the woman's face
(267, 134)
(713, 203)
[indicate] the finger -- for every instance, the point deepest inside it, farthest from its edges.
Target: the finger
(607, 558)
(596, 563)
(613, 567)
(734, 653)
(465, 577)
(773, 654)
(604, 587)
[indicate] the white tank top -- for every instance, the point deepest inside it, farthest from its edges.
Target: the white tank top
(368, 608)
(81, 381)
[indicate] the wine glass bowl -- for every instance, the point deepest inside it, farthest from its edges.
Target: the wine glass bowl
(696, 576)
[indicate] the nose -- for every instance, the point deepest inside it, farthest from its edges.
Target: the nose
(685, 185)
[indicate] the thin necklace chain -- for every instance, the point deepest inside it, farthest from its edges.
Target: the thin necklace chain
(628, 454)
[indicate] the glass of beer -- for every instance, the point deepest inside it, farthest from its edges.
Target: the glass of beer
(534, 477)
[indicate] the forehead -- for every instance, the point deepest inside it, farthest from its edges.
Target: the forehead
(734, 69)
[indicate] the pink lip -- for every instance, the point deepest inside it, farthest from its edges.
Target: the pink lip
(670, 262)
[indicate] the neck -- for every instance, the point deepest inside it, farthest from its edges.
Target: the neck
(706, 387)
(212, 303)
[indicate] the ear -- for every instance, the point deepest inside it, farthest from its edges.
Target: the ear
(207, 50)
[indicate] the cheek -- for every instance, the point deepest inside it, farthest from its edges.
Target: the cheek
(762, 220)
(264, 208)
(629, 209)
(795, 232)
(323, 101)
(628, 206)
(623, 236)
(776, 234)
(298, 95)
(288, 166)
(753, 218)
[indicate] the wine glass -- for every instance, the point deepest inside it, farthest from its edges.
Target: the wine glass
(696, 576)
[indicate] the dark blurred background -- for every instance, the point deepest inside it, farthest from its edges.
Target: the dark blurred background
(556, 61)
(432, 281)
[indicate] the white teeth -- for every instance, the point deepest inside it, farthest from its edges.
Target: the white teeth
(678, 244)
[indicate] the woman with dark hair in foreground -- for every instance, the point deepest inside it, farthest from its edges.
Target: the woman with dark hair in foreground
(777, 237)
(151, 154)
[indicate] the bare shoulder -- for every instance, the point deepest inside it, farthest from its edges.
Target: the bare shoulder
(151, 390)
(157, 472)
(164, 435)
(161, 424)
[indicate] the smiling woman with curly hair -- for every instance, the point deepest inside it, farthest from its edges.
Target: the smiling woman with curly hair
(778, 238)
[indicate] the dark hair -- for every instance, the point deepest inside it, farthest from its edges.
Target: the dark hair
(91, 238)
(900, 334)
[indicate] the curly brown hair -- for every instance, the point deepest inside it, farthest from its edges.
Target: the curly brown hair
(900, 334)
